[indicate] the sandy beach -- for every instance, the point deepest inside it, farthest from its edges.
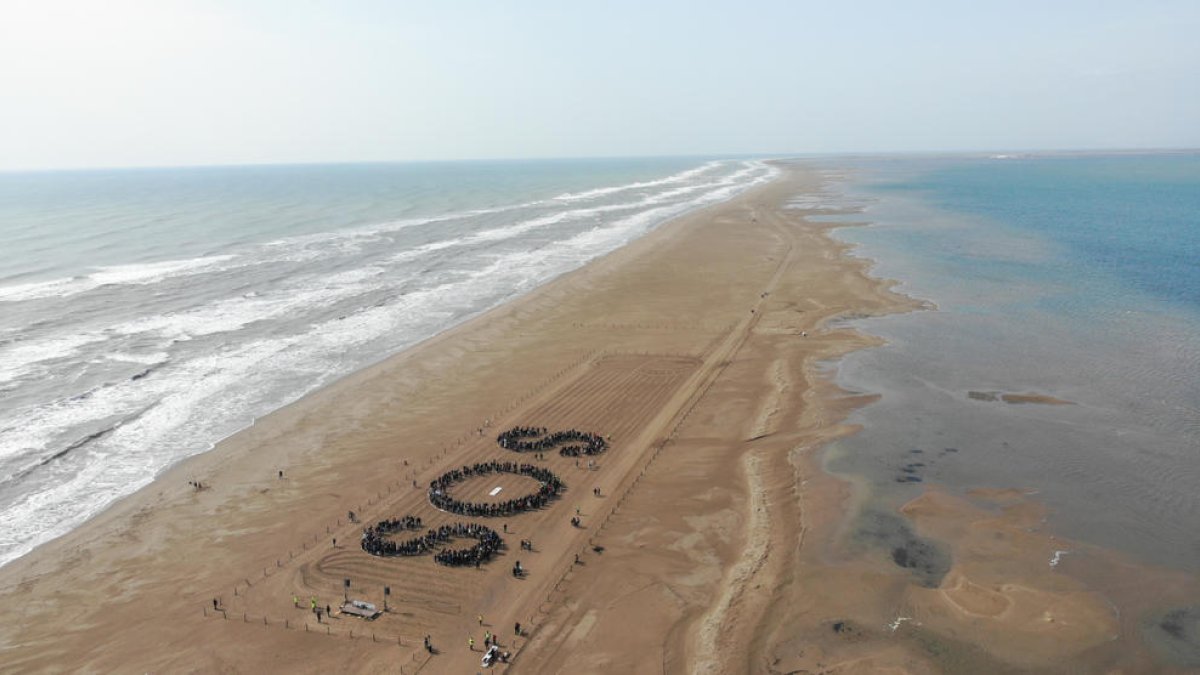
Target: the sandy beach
(699, 351)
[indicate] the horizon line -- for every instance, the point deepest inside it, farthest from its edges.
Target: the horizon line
(544, 158)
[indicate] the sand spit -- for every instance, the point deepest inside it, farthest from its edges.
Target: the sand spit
(709, 539)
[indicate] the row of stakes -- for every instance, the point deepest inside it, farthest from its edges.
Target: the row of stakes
(287, 624)
(695, 327)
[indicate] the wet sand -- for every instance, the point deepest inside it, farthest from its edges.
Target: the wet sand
(716, 544)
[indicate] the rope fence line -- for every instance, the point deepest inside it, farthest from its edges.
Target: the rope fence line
(320, 628)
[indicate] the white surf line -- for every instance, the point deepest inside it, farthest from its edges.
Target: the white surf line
(495, 491)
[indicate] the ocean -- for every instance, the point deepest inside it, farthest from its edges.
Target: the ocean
(1071, 277)
(145, 314)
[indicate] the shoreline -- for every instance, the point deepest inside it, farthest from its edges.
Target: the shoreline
(362, 372)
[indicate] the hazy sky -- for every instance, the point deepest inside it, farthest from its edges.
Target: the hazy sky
(164, 82)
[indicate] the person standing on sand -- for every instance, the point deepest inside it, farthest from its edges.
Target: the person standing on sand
(471, 643)
(296, 602)
(480, 619)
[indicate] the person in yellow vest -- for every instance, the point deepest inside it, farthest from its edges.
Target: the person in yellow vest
(295, 602)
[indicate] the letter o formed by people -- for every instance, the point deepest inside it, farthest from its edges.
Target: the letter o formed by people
(548, 489)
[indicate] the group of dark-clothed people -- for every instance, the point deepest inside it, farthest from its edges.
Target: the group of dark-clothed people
(538, 439)
(548, 489)
(376, 542)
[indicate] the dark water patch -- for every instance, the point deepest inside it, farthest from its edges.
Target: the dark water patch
(1175, 635)
(926, 561)
(1017, 399)
(1038, 399)
(848, 630)
(915, 471)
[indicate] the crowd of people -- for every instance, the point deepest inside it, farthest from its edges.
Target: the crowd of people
(539, 439)
(380, 540)
(376, 541)
(489, 544)
(549, 487)
(393, 525)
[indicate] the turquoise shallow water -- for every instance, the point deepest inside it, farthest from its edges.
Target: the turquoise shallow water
(146, 314)
(1077, 277)
(1129, 223)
